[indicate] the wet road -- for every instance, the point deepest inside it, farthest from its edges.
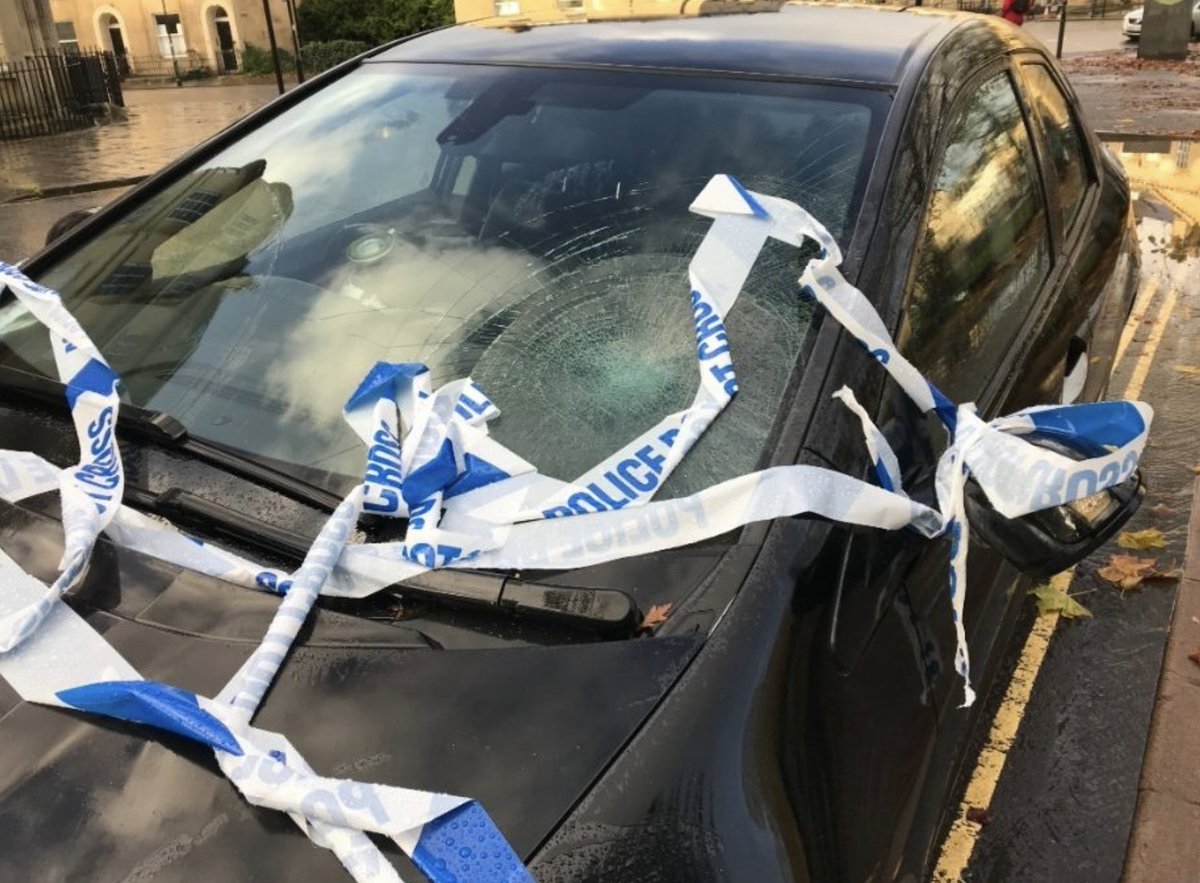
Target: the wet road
(1065, 800)
(161, 125)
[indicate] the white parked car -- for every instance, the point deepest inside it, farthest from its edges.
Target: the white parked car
(1132, 25)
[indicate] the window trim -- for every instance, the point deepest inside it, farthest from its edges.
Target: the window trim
(176, 40)
(68, 44)
(1067, 237)
(992, 394)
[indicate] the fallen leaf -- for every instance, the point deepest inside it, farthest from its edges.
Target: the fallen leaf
(1195, 469)
(1161, 510)
(1150, 538)
(1173, 574)
(1052, 599)
(979, 815)
(655, 617)
(1126, 571)
(1190, 370)
(1195, 656)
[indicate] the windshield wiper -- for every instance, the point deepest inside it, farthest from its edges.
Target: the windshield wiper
(164, 430)
(159, 427)
(602, 610)
(605, 610)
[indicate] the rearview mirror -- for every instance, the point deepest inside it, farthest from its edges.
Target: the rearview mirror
(1047, 542)
(68, 222)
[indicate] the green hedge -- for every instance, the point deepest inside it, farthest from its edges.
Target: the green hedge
(257, 60)
(317, 57)
(370, 21)
(314, 57)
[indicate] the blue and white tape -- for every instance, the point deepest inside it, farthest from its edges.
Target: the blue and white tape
(471, 502)
(51, 656)
(91, 490)
(1017, 476)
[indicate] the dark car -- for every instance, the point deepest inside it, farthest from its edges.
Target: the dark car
(511, 202)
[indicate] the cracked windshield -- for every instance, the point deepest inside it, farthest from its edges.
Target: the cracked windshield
(526, 228)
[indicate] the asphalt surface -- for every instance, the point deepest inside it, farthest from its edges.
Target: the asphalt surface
(1081, 35)
(1065, 801)
(1124, 96)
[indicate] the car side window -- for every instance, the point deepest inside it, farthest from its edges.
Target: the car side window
(1064, 144)
(984, 251)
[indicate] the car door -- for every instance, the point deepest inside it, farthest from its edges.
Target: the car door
(983, 272)
(1100, 271)
(990, 307)
(982, 265)
(982, 261)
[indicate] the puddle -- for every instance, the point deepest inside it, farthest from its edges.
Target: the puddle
(1165, 178)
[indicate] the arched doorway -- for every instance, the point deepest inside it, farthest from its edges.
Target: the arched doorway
(224, 41)
(110, 34)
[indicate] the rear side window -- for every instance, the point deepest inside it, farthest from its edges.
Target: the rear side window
(1064, 144)
(984, 251)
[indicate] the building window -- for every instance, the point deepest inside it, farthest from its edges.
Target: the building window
(508, 7)
(67, 41)
(170, 36)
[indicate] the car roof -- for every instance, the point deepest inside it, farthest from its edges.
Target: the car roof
(871, 45)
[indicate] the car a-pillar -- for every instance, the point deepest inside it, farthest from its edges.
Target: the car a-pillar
(1166, 27)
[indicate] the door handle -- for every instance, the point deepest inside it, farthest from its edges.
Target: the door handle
(1075, 370)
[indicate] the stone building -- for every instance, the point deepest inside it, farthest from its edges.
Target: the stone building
(202, 33)
(26, 28)
(517, 12)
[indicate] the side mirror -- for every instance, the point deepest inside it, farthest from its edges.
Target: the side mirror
(1048, 542)
(68, 222)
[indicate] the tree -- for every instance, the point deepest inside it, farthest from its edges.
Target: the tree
(371, 21)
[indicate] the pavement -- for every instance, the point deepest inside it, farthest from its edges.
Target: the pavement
(1081, 35)
(1120, 94)
(1162, 847)
(1121, 98)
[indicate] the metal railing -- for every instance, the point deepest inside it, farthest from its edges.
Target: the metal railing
(45, 94)
(188, 66)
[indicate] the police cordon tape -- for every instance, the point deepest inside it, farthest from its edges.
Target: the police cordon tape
(470, 502)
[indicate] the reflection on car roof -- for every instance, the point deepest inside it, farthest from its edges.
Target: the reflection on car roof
(862, 44)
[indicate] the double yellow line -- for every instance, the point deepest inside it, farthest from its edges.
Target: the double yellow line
(960, 841)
